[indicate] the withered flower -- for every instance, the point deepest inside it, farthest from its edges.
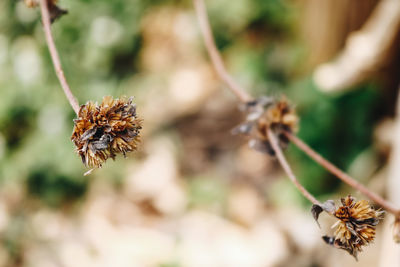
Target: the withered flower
(267, 113)
(102, 131)
(54, 10)
(356, 225)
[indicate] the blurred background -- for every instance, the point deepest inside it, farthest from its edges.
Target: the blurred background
(194, 195)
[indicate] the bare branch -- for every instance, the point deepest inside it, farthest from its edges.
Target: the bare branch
(214, 53)
(285, 166)
(54, 56)
(342, 175)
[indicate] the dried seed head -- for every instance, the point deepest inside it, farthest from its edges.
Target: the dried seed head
(102, 131)
(356, 225)
(54, 10)
(267, 113)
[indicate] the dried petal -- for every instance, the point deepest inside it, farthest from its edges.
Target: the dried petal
(56, 12)
(263, 114)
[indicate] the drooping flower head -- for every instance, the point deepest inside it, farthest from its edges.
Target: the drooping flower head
(356, 225)
(267, 113)
(102, 131)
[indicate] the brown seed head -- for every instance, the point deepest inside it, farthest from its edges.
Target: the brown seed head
(268, 113)
(102, 131)
(356, 225)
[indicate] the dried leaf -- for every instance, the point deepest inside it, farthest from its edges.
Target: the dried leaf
(328, 239)
(316, 211)
(332, 241)
(328, 206)
(56, 12)
(262, 146)
(244, 128)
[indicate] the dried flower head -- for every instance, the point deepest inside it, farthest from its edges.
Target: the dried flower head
(356, 225)
(54, 10)
(267, 113)
(396, 230)
(102, 131)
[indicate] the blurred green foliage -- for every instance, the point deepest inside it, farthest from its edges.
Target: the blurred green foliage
(54, 188)
(207, 192)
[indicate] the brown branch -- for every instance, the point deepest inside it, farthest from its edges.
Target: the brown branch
(285, 166)
(342, 175)
(54, 56)
(214, 53)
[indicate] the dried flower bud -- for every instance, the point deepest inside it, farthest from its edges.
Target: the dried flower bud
(54, 10)
(396, 230)
(355, 227)
(267, 113)
(102, 131)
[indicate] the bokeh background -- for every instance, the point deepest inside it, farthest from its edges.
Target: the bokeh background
(193, 195)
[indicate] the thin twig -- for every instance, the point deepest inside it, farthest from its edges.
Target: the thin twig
(54, 56)
(214, 53)
(342, 175)
(285, 165)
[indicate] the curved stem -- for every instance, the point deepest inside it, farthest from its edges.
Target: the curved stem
(342, 175)
(54, 56)
(285, 165)
(214, 53)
